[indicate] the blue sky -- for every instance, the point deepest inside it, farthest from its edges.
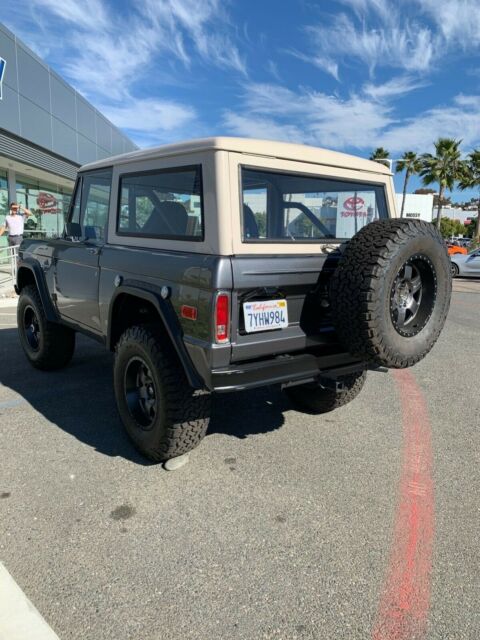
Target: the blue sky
(344, 74)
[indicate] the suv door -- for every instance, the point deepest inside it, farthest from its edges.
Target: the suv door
(77, 255)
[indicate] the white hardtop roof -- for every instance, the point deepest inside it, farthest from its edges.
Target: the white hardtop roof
(269, 148)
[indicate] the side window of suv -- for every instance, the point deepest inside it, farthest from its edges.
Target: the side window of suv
(75, 206)
(166, 203)
(89, 213)
(95, 202)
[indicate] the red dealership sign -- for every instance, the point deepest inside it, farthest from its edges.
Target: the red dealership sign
(47, 202)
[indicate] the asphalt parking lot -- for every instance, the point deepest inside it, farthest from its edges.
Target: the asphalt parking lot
(282, 525)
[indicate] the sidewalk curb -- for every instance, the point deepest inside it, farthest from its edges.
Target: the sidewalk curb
(8, 302)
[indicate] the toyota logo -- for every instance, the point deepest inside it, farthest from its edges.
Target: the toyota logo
(353, 203)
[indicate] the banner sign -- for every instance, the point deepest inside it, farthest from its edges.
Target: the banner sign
(3, 64)
(47, 203)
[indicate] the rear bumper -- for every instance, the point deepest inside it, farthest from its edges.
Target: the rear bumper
(283, 369)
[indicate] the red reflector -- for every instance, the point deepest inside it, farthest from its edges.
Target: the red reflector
(188, 312)
(222, 320)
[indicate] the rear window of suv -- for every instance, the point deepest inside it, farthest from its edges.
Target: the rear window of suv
(166, 203)
(286, 207)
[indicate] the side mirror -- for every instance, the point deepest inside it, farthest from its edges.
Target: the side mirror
(73, 230)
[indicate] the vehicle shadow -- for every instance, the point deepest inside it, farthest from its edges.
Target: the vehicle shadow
(245, 413)
(80, 399)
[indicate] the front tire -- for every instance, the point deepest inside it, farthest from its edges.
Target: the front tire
(455, 271)
(313, 398)
(47, 345)
(163, 416)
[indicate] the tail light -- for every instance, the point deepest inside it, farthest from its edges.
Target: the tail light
(222, 318)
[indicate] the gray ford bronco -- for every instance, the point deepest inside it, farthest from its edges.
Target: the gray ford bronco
(225, 264)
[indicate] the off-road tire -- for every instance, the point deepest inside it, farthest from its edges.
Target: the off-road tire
(313, 398)
(55, 342)
(363, 293)
(181, 415)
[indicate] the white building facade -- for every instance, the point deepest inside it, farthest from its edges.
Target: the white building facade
(417, 206)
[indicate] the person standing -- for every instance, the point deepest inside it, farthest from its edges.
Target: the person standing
(14, 222)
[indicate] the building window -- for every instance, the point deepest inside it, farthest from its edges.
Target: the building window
(48, 203)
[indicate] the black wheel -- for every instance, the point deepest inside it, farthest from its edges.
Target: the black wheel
(454, 270)
(47, 345)
(390, 293)
(162, 414)
(313, 398)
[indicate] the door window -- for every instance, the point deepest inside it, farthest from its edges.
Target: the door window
(95, 203)
(75, 211)
(89, 213)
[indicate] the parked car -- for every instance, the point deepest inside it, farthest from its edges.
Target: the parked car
(226, 264)
(467, 266)
(455, 249)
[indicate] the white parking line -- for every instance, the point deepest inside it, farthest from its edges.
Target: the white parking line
(10, 404)
(19, 620)
(8, 303)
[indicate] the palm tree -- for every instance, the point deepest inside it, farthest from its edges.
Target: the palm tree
(471, 180)
(380, 154)
(412, 165)
(445, 167)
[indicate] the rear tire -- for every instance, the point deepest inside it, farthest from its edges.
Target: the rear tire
(47, 345)
(313, 398)
(455, 271)
(163, 416)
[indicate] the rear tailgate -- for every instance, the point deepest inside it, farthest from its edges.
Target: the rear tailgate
(300, 280)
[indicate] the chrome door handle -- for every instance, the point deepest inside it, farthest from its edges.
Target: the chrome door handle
(94, 251)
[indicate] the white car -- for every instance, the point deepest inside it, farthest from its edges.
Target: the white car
(467, 265)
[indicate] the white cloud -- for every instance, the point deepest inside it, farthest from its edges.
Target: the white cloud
(115, 52)
(240, 124)
(150, 115)
(89, 14)
(382, 8)
(204, 23)
(308, 116)
(362, 122)
(458, 120)
(326, 64)
(413, 35)
(406, 46)
(397, 86)
(272, 68)
(458, 20)
(113, 49)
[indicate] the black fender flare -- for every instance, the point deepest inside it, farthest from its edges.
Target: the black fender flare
(170, 321)
(42, 288)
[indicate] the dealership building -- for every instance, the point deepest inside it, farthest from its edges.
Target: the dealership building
(47, 130)
(418, 206)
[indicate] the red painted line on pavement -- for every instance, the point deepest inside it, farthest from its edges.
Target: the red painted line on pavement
(405, 601)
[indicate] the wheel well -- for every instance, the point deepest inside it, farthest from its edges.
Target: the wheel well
(24, 277)
(128, 311)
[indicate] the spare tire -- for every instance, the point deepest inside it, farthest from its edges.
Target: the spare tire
(390, 292)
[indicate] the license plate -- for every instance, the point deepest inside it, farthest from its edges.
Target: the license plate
(264, 315)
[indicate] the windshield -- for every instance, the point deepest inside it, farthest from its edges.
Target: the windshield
(285, 207)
